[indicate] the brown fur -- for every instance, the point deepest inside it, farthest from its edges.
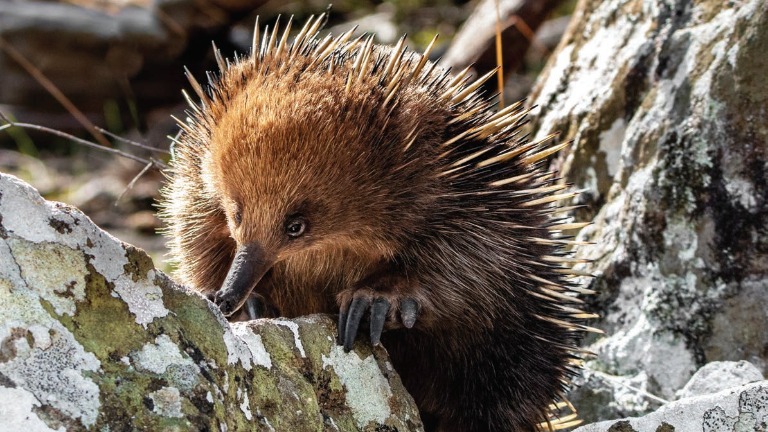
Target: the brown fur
(389, 214)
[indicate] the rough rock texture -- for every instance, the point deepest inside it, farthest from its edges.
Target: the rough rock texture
(666, 103)
(93, 337)
(742, 408)
(716, 376)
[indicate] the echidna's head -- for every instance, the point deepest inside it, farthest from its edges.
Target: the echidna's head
(287, 177)
(300, 162)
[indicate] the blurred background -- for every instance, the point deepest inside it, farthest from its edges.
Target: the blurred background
(104, 69)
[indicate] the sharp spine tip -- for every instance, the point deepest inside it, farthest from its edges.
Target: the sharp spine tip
(219, 59)
(196, 86)
(424, 58)
(255, 41)
(284, 40)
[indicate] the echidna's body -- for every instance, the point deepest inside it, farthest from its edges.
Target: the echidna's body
(338, 173)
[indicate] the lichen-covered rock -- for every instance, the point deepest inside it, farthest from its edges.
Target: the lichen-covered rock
(666, 103)
(93, 337)
(737, 409)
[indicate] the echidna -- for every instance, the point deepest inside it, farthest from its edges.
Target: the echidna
(338, 176)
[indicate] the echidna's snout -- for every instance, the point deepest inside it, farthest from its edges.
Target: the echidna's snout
(249, 266)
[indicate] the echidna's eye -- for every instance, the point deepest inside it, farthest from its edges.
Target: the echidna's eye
(238, 217)
(296, 226)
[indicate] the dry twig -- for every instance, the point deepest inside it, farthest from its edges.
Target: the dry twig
(152, 161)
(474, 43)
(54, 91)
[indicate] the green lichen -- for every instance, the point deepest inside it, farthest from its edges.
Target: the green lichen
(103, 324)
(192, 325)
(60, 280)
(329, 390)
(139, 263)
(183, 369)
(280, 342)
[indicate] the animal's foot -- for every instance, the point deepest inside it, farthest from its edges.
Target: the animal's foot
(389, 303)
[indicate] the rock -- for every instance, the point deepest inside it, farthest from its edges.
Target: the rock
(380, 23)
(475, 43)
(93, 337)
(742, 408)
(665, 102)
(108, 57)
(717, 376)
(85, 52)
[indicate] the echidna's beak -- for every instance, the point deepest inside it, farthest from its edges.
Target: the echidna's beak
(249, 266)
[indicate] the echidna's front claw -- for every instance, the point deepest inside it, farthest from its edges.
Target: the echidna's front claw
(342, 325)
(409, 311)
(383, 306)
(257, 307)
(379, 311)
(356, 311)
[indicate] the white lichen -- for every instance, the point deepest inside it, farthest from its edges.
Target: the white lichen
(641, 353)
(368, 392)
(24, 212)
(144, 298)
(329, 421)
(245, 406)
(27, 216)
(237, 350)
(159, 356)
(55, 374)
(17, 412)
(266, 423)
(259, 354)
(62, 282)
(607, 46)
(295, 330)
(43, 356)
(610, 145)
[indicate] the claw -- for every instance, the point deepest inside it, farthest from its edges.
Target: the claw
(356, 311)
(255, 307)
(378, 316)
(409, 311)
(342, 326)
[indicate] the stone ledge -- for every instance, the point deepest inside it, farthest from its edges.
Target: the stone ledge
(94, 337)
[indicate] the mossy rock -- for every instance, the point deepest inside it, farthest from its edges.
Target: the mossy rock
(93, 337)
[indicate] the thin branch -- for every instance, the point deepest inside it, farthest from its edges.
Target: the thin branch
(131, 142)
(53, 90)
(474, 42)
(134, 180)
(73, 138)
(614, 379)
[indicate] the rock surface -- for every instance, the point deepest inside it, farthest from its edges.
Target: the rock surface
(93, 337)
(716, 376)
(103, 53)
(666, 103)
(742, 408)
